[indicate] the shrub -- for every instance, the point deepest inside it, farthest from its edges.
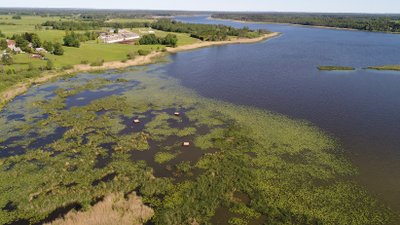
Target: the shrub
(10, 71)
(132, 55)
(3, 44)
(7, 59)
(143, 52)
(67, 67)
(97, 63)
(72, 40)
(58, 49)
(85, 62)
(49, 65)
(48, 46)
(30, 67)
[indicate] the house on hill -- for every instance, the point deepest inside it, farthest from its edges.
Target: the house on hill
(12, 46)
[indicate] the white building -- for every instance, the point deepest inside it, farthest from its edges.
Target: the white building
(123, 35)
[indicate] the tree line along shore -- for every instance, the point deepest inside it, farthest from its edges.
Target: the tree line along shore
(365, 22)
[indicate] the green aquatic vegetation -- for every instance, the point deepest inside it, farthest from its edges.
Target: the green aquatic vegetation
(291, 172)
(159, 127)
(386, 67)
(186, 132)
(136, 141)
(333, 68)
(163, 157)
(238, 221)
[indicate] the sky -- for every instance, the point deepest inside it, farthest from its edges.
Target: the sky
(364, 6)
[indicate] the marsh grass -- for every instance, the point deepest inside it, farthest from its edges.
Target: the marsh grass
(163, 157)
(333, 68)
(114, 209)
(386, 67)
(254, 152)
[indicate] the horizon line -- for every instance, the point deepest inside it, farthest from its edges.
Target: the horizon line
(192, 10)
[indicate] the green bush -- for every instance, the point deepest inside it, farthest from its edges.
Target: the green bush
(67, 67)
(49, 65)
(143, 52)
(132, 55)
(58, 49)
(97, 63)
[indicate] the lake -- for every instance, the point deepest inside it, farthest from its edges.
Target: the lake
(360, 108)
(51, 129)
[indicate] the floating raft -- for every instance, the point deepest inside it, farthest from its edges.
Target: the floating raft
(177, 114)
(136, 121)
(186, 144)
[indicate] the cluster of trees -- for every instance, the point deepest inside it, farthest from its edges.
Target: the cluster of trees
(53, 48)
(3, 44)
(151, 39)
(92, 25)
(381, 23)
(16, 17)
(205, 32)
(73, 25)
(27, 41)
(73, 39)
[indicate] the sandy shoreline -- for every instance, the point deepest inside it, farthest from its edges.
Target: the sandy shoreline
(217, 43)
(22, 87)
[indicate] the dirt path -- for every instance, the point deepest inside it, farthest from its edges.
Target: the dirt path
(21, 88)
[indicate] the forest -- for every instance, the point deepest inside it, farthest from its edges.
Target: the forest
(367, 22)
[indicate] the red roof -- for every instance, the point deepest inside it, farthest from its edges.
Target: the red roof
(10, 42)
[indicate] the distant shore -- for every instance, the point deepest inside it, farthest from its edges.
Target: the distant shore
(22, 87)
(302, 25)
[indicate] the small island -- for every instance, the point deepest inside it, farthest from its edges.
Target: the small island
(334, 68)
(386, 67)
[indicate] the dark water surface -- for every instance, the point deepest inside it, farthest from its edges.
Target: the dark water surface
(361, 108)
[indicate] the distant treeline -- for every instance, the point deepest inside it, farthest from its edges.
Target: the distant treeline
(367, 22)
(98, 14)
(92, 25)
(205, 32)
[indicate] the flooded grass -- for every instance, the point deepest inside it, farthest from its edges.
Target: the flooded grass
(243, 165)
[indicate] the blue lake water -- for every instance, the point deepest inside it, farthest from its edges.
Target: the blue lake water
(360, 108)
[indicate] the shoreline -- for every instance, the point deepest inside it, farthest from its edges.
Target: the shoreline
(20, 88)
(205, 44)
(302, 25)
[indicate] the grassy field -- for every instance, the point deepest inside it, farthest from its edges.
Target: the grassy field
(27, 24)
(91, 51)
